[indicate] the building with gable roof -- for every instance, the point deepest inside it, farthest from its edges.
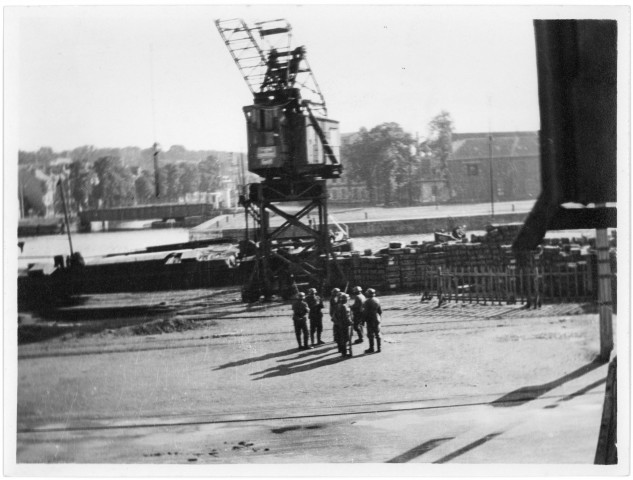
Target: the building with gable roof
(515, 159)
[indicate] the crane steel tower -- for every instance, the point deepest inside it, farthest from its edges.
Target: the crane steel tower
(294, 146)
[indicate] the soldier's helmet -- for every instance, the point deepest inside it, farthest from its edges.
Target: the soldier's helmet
(357, 290)
(301, 295)
(343, 298)
(312, 291)
(336, 291)
(370, 292)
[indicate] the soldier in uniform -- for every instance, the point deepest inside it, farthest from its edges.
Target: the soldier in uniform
(315, 304)
(333, 304)
(342, 322)
(373, 313)
(357, 312)
(300, 311)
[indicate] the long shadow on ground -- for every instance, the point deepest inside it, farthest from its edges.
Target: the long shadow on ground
(532, 392)
(259, 358)
(300, 366)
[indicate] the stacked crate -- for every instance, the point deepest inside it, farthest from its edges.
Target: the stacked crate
(563, 269)
(355, 276)
(368, 271)
(392, 273)
(408, 270)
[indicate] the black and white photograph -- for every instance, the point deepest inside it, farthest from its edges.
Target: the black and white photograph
(308, 240)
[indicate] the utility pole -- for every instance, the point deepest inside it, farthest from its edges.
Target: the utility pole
(410, 171)
(156, 171)
(492, 189)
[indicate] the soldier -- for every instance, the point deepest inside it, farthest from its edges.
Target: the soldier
(315, 304)
(333, 304)
(357, 312)
(342, 322)
(373, 313)
(300, 311)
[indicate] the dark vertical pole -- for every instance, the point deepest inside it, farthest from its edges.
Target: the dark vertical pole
(61, 190)
(325, 235)
(264, 241)
(492, 191)
(156, 171)
(409, 180)
(246, 220)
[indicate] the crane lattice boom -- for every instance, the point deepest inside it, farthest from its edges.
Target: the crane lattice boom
(265, 57)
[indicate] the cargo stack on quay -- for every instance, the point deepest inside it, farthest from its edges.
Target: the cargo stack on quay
(485, 270)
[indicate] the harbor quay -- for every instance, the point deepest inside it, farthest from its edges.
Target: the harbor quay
(197, 377)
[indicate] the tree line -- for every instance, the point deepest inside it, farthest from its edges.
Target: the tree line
(109, 183)
(105, 178)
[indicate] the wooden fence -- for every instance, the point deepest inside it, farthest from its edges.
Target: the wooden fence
(510, 285)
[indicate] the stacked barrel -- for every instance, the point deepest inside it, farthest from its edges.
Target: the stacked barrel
(561, 270)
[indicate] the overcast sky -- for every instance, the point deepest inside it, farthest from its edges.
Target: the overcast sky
(85, 75)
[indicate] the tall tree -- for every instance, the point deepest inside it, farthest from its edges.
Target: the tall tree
(361, 161)
(189, 178)
(440, 145)
(375, 156)
(209, 173)
(31, 191)
(170, 178)
(80, 178)
(144, 187)
(115, 184)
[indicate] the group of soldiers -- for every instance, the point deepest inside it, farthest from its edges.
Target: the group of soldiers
(361, 311)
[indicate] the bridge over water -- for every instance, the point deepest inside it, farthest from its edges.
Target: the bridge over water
(165, 211)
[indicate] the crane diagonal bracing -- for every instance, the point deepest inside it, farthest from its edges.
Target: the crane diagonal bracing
(294, 146)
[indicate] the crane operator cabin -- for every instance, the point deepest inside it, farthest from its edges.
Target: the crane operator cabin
(289, 134)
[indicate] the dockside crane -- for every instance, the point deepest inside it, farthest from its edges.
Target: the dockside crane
(294, 147)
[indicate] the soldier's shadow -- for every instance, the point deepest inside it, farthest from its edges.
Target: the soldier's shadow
(259, 358)
(304, 364)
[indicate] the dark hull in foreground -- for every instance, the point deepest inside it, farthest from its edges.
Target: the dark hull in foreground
(151, 270)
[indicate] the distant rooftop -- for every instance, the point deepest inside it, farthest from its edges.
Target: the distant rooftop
(504, 144)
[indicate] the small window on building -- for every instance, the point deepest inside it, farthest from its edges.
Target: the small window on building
(433, 189)
(472, 170)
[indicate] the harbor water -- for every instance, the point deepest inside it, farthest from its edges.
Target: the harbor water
(42, 249)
